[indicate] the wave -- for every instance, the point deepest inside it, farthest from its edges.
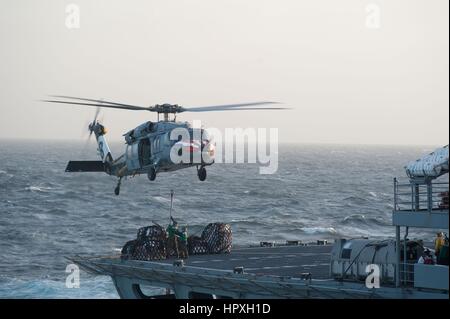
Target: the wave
(57, 211)
(42, 216)
(360, 219)
(161, 199)
(5, 177)
(38, 189)
(247, 222)
(319, 230)
(97, 287)
(356, 200)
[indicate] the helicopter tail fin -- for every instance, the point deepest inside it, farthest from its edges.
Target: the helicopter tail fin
(85, 166)
(103, 148)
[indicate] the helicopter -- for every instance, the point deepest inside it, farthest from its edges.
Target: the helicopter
(150, 146)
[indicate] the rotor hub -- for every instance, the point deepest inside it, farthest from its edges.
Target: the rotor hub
(167, 108)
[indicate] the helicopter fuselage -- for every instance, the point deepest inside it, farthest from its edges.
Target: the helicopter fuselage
(150, 148)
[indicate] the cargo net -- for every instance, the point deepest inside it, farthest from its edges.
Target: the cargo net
(151, 244)
(197, 246)
(218, 238)
(152, 232)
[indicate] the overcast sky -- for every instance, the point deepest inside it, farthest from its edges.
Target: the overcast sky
(354, 71)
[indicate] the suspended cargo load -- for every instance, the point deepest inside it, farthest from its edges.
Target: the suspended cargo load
(432, 165)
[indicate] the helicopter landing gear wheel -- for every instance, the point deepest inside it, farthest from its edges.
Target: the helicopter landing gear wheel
(201, 173)
(152, 174)
(117, 189)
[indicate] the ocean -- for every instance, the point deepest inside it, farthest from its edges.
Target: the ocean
(318, 192)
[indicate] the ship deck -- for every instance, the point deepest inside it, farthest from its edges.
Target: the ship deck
(289, 261)
(268, 272)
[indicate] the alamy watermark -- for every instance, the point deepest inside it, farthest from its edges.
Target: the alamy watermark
(373, 16)
(200, 146)
(373, 276)
(72, 16)
(73, 277)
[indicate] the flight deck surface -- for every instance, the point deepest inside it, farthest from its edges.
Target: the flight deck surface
(276, 261)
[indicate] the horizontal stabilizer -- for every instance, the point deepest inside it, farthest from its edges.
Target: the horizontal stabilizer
(85, 166)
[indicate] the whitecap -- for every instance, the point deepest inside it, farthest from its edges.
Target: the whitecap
(319, 230)
(162, 199)
(354, 217)
(39, 189)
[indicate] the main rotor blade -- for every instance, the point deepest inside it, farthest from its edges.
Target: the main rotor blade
(226, 106)
(96, 101)
(125, 107)
(238, 109)
(157, 108)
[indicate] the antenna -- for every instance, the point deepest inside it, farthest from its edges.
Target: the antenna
(171, 204)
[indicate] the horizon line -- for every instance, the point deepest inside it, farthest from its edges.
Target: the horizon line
(30, 139)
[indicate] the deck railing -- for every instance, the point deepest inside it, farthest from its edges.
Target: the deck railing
(430, 196)
(407, 274)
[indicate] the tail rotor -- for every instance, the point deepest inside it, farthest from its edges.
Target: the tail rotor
(94, 122)
(90, 130)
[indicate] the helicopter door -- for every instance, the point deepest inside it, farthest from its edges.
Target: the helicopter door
(144, 152)
(156, 145)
